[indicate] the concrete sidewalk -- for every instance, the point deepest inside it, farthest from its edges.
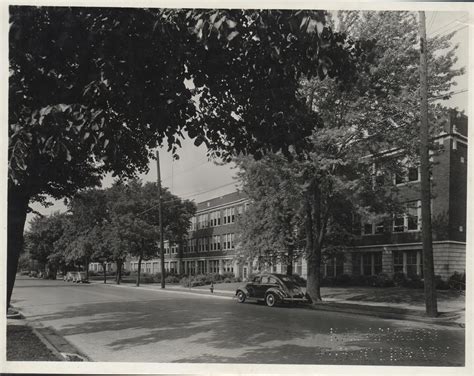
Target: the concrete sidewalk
(390, 303)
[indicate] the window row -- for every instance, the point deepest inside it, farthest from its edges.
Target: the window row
(370, 263)
(207, 266)
(407, 175)
(410, 220)
(211, 243)
(218, 217)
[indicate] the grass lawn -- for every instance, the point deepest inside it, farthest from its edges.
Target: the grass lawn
(24, 345)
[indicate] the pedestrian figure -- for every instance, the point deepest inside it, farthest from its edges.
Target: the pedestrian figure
(212, 288)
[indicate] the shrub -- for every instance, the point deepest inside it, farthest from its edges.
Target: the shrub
(343, 280)
(185, 282)
(359, 280)
(229, 275)
(383, 280)
(457, 281)
(125, 273)
(227, 280)
(399, 279)
(172, 279)
(92, 273)
(327, 281)
(371, 280)
(24, 272)
(144, 278)
(414, 281)
(440, 283)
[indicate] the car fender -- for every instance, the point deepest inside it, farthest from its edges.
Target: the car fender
(275, 291)
(244, 290)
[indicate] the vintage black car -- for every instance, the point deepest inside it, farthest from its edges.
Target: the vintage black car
(272, 289)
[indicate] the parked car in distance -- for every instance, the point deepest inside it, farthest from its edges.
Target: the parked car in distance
(75, 277)
(272, 289)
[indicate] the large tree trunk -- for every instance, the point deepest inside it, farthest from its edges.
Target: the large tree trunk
(118, 274)
(313, 284)
(86, 261)
(313, 249)
(104, 267)
(289, 265)
(17, 208)
(139, 270)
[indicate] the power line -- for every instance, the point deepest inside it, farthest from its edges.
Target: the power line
(207, 191)
(186, 170)
(433, 16)
(459, 20)
(185, 196)
(449, 31)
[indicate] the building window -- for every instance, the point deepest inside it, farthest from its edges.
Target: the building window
(228, 268)
(216, 243)
(412, 216)
(379, 179)
(398, 262)
(203, 221)
(215, 219)
(334, 266)
(193, 224)
(379, 228)
(399, 224)
(409, 174)
(367, 263)
(412, 263)
(399, 179)
(229, 215)
(410, 220)
(367, 229)
(413, 174)
(408, 262)
(214, 266)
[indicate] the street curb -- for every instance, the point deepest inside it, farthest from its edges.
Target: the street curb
(386, 313)
(393, 313)
(57, 344)
(173, 291)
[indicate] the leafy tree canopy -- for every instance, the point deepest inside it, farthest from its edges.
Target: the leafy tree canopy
(95, 89)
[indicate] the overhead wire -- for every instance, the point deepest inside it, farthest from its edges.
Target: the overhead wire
(449, 25)
(184, 196)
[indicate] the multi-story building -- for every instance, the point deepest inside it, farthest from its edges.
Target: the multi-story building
(396, 245)
(391, 246)
(211, 243)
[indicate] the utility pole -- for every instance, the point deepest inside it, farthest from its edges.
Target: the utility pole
(160, 218)
(428, 265)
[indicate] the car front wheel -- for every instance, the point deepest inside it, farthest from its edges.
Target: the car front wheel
(240, 297)
(270, 299)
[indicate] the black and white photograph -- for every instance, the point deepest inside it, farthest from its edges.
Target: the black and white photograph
(211, 188)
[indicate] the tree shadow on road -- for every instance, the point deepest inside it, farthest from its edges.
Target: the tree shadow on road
(197, 330)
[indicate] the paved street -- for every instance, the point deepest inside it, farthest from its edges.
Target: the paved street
(125, 323)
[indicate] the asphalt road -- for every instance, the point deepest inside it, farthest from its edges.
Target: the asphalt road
(129, 324)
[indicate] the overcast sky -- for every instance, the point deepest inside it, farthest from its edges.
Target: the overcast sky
(194, 177)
